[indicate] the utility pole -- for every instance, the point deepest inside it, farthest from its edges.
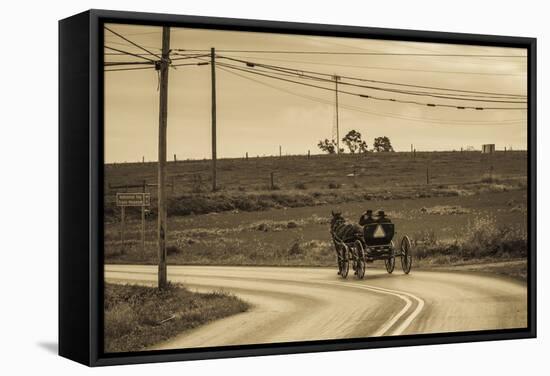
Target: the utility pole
(336, 78)
(163, 66)
(213, 74)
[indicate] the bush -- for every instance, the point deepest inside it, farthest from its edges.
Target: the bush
(482, 239)
(296, 248)
(291, 224)
(173, 250)
(333, 185)
(300, 186)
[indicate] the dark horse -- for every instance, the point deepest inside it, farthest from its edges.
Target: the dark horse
(343, 232)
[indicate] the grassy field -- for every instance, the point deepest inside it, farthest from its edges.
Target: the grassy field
(473, 209)
(298, 181)
(139, 316)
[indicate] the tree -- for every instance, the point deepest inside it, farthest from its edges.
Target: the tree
(353, 141)
(327, 146)
(363, 147)
(382, 144)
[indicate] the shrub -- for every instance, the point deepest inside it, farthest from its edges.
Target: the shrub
(291, 224)
(300, 186)
(296, 248)
(333, 185)
(173, 250)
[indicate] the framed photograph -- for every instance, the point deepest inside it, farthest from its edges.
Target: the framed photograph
(235, 187)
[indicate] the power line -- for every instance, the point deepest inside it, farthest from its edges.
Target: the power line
(301, 71)
(129, 45)
(353, 53)
(127, 69)
(187, 64)
(383, 68)
(114, 63)
(129, 53)
(405, 92)
(375, 97)
(185, 57)
(380, 114)
(132, 43)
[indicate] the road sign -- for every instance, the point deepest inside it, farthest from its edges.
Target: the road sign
(125, 199)
(133, 199)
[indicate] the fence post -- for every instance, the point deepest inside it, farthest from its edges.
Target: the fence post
(427, 175)
(272, 180)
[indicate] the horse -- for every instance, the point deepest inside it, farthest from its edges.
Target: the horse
(343, 232)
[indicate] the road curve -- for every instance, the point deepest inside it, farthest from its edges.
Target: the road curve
(303, 304)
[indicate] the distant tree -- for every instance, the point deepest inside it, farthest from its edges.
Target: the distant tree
(363, 148)
(354, 142)
(382, 144)
(327, 146)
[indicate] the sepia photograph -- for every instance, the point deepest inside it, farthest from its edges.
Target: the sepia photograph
(271, 188)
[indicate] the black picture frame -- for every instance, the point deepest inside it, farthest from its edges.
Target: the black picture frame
(81, 186)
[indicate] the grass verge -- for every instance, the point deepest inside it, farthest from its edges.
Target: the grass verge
(516, 269)
(139, 316)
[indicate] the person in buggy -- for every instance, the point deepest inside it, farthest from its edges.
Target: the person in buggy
(366, 218)
(382, 217)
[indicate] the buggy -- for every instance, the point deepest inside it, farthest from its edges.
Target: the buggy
(374, 243)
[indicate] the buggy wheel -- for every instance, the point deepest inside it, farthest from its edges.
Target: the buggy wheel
(390, 264)
(344, 268)
(390, 261)
(361, 265)
(406, 254)
(344, 263)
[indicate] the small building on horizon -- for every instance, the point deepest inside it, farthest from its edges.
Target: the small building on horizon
(488, 148)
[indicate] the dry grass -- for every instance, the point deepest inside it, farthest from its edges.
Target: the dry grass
(139, 316)
(482, 240)
(300, 236)
(300, 182)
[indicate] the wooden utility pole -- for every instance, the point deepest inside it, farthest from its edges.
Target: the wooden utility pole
(213, 75)
(163, 115)
(336, 78)
(122, 228)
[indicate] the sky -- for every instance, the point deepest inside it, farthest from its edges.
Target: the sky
(257, 114)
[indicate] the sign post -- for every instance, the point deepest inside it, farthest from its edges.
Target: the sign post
(122, 220)
(133, 199)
